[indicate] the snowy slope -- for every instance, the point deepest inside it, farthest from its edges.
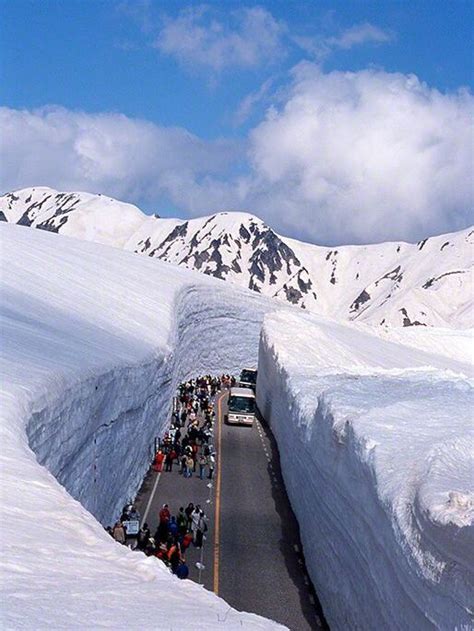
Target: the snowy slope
(94, 341)
(82, 215)
(397, 284)
(376, 446)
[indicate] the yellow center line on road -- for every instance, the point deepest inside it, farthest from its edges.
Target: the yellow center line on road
(217, 515)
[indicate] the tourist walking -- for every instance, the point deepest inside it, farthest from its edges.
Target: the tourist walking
(182, 522)
(202, 465)
(212, 465)
(201, 529)
(118, 532)
(189, 511)
(195, 521)
(169, 461)
(188, 472)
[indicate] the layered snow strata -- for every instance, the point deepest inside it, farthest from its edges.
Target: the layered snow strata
(375, 441)
(94, 342)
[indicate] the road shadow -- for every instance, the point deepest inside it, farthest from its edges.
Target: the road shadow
(145, 490)
(290, 543)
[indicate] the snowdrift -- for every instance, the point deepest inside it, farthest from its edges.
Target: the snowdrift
(375, 441)
(94, 342)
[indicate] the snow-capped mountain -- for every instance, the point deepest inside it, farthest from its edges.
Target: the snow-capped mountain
(397, 284)
(82, 215)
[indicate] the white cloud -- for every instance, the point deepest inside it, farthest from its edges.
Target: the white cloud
(249, 37)
(364, 156)
(130, 159)
(340, 157)
(249, 102)
(360, 34)
(357, 35)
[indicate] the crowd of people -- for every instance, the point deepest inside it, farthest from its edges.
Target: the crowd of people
(188, 445)
(173, 536)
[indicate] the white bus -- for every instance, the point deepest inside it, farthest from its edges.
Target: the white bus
(241, 406)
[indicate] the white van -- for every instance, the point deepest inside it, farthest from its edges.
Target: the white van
(248, 378)
(241, 406)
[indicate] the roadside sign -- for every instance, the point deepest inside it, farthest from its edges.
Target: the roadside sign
(132, 527)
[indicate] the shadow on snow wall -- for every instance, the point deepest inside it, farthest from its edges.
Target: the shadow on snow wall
(97, 439)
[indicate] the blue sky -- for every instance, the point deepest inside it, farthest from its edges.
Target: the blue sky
(205, 82)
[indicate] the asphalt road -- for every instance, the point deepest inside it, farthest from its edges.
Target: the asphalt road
(261, 568)
(176, 491)
(252, 553)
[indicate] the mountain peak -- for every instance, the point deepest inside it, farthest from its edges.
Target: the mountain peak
(401, 284)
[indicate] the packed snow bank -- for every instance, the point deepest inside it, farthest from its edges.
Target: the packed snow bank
(94, 342)
(376, 448)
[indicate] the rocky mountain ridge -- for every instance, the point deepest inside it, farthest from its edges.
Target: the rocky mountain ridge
(395, 284)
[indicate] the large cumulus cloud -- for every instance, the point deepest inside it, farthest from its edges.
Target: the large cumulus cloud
(364, 156)
(134, 160)
(339, 158)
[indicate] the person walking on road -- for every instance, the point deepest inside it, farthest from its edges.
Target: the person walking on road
(118, 533)
(194, 455)
(164, 517)
(169, 461)
(212, 465)
(143, 536)
(189, 511)
(188, 472)
(202, 465)
(158, 464)
(187, 540)
(182, 571)
(173, 527)
(201, 529)
(165, 514)
(195, 521)
(182, 522)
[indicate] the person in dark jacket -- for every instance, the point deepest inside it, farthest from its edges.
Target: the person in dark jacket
(150, 548)
(169, 461)
(189, 511)
(182, 522)
(143, 536)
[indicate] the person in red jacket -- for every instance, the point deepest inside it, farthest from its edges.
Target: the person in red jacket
(158, 464)
(165, 514)
(187, 539)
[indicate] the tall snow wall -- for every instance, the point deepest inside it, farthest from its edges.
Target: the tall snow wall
(111, 419)
(94, 343)
(375, 441)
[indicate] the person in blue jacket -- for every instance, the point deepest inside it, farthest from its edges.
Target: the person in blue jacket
(182, 571)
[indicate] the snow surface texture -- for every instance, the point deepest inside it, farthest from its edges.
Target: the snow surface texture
(376, 450)
(397, 284)
(94, 342)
